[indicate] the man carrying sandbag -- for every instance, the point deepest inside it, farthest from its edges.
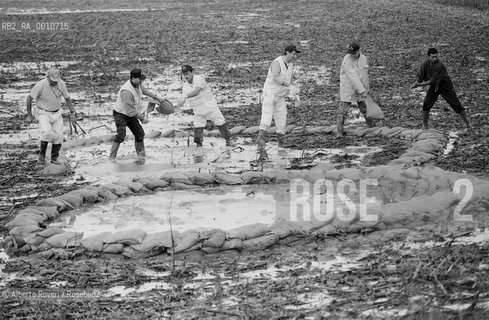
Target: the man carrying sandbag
(354, 86)
(197, 92)
(47, 93)
(128, 112)
(434, 73)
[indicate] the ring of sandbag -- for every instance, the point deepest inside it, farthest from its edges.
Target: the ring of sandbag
(427, 144)
(413, 194)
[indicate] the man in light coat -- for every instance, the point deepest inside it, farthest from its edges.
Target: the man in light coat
(128, 112)
(47, 94)
(354, 85)
(197, 92)
(278, 85)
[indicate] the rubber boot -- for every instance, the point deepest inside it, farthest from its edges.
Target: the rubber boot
(426, 118)
(55, 153)
(226, 134)
(340, 122)
(280, 140)
(261, 140)
(42, 152)
(113, 151)
(463, 116)
(139, 146)
(199, 136)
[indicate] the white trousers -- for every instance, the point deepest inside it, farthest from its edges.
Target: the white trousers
(51, 125)
(273, 107)
(200, 120)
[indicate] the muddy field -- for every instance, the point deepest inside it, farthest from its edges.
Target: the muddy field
(429, 272)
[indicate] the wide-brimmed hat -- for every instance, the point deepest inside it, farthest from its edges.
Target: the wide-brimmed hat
(54, 74)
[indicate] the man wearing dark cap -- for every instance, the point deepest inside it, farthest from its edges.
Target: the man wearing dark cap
(47, 93)
(278, 85)
(197, 92)
(354, 86)
(128, 112)
(434, 73)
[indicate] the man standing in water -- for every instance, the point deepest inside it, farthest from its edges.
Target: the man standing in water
(277, 87)
(128, 112)
(47, 93)
(198, 93)
(434, 73)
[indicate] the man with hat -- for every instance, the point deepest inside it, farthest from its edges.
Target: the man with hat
(128, 112)
(278, 85)
(354, 86)
(434, 73)
(197, 92)
(47, 93)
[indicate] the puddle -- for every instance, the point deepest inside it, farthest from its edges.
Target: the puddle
(452, 137)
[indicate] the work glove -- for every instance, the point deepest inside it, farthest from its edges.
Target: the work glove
(181, 100)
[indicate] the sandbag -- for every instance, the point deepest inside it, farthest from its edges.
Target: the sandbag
(153, 134)
(237, 130)
(186, 240)
(60, 204)
(316, 130)
(373, 109)
(89, 194)
(34, 210)
(31, 216)
(284, 228)
(297, 174)
(156, 240)
(227, 179)
(183, 186)
(107, 137)
(214, 133)
(113, 248)
(277, 175)
(153, 183)
(253, 177)
(354, 174)
(22, 221)
(216, 240)
(106, 194)
(51, 231)
(175, 177)
(133, 253)
(250, 231)
(54, 170)
(62, 240)
(117, 189)
(251, 131)
(169, 133)
(315, 174)
(95, 243)
(129, 237)
(51, 211)
(18, 233)
(260, 243)
(74, 198)
(34, 240)
(200, 178)
(133, 186)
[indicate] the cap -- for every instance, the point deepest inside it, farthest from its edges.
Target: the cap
(354, 47)
(187, 68)
(291, 48)
(138, 73)
(54, 74)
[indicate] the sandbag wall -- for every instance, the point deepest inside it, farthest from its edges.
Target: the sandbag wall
(412, 196)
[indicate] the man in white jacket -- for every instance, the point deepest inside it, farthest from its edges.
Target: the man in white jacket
(197, 92)
(278, 85)
(354, 85)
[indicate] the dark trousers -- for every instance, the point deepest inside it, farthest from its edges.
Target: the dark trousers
(447, 91)
(121, 122)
